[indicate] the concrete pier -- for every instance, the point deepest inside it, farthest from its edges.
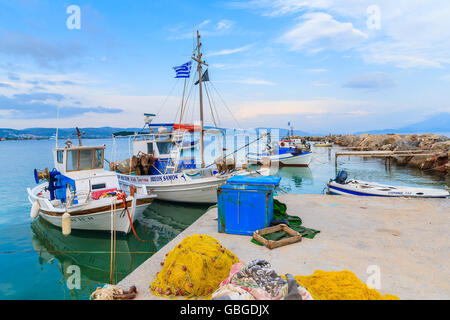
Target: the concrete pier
(406, 239)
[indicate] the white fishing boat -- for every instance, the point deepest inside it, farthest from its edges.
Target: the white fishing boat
(340, 185)
(287, 152)
(158, 163)
(80, 194)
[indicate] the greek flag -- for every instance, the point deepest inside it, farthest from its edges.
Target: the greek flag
(183, 71)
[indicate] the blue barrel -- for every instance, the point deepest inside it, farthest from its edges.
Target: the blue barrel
(245, 204)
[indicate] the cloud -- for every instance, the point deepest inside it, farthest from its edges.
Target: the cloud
(5, 85)
(255, 109)
(224, 24)
(37, 106)
(45, 54)
(321, 83)
(228, 51)
(276, 8)
(401, 55)
(207, 28)
(320, 70)
(255, 81)
(13, 77)
(374, 81)
(37, 96)
(412, 35)
(320, 31)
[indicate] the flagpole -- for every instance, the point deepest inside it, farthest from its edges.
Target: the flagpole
(182, 102)
(199, 56)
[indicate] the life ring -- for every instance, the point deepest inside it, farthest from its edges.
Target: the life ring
(282, 144)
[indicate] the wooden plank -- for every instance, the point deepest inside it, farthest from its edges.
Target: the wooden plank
(295, 236)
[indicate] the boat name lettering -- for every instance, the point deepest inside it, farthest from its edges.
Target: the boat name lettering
(164, 177)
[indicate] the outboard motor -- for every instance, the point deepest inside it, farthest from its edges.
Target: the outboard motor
(341, 177)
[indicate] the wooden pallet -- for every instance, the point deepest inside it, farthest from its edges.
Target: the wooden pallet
(296, 237)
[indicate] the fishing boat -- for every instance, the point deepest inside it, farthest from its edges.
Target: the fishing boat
(158, 163)
(340, 185)
(80, 194)
(287, 152)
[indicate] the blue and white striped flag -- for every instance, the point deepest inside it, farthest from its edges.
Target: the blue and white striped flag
(184, 70)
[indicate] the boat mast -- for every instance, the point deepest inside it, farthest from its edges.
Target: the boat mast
(200, 75)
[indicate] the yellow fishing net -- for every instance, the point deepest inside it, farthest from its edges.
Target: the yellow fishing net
(195, 267)
(339, 285)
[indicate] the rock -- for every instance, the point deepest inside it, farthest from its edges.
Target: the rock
(391, 139)
(405, 144)
(436, 162)
(441, 146)
(398, 142)
(417, 161)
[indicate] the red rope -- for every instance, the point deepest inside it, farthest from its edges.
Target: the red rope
(122, 196)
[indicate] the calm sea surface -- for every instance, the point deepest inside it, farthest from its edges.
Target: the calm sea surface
(36, 260)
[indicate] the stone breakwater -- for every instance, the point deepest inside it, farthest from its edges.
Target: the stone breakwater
(429, 143)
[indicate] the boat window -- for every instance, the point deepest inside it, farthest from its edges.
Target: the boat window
(98, 159)
(86, 159)
(59, 156)
(72, 160)
(163, 147)
(150, 147)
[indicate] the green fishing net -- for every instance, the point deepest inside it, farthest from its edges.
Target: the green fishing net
(295, 223)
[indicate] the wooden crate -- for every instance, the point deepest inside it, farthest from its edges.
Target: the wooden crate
(296, 237)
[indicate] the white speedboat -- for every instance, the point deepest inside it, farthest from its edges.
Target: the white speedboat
(81, 191)
(287, 152)
(342, 186)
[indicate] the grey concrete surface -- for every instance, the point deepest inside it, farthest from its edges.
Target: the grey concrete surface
(407, 239)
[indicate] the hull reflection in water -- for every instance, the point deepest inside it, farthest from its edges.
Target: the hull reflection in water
(91, 252)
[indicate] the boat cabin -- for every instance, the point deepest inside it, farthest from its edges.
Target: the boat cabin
(81, 169)
(78, 158)
(164, 147)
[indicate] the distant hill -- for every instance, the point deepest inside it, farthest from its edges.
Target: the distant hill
(90, 133)
(439, 123)
(63, 133)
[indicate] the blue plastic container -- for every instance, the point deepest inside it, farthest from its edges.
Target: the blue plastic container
(245, 204)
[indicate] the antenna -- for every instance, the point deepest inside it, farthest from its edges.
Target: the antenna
(57, 121)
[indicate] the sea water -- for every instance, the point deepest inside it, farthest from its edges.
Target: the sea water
(38, 262)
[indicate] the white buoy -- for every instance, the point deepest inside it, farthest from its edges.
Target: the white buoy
(66, 224)
(34, 210)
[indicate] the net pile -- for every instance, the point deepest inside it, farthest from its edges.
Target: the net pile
(339, 285)
(194, 268)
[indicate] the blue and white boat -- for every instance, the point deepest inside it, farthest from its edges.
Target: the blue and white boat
(81, 192)
(341, 186)
(292, 152)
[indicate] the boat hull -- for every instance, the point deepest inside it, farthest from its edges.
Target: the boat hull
(94, 215)
(287, 159)
(99, 221)
(384, 191)
(176, 187)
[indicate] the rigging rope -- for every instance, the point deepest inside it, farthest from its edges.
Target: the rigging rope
(226, 106)
(167, 97)
(210, 106)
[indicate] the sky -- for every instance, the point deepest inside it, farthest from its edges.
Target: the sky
(324, 66)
